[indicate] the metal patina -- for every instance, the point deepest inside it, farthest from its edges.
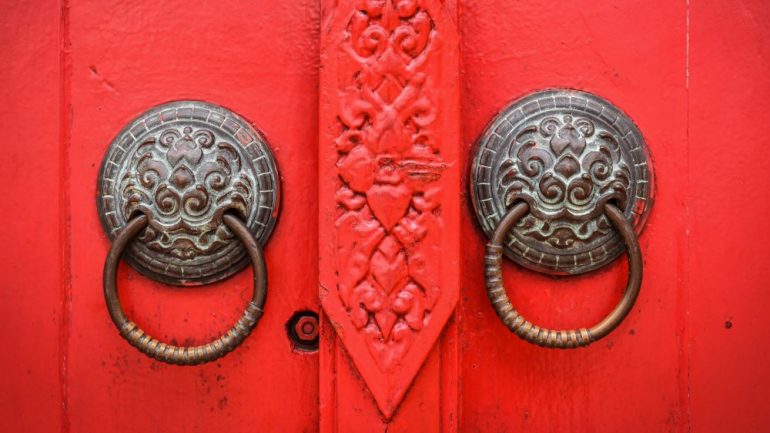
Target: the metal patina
(566, 154)
(184, 165)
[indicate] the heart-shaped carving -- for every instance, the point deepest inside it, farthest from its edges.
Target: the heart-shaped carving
(388, 265)
(356, 169)
(389, 203)
(357, 239)
(567, 166)
(184, 149)
(385, 319)
(568, 137)
(182, 177)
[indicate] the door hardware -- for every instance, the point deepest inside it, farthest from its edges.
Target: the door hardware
(189, 193)
(303, 330)
(561, 184)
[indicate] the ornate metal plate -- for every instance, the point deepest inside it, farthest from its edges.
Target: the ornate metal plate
(566, 153)
(184, 164)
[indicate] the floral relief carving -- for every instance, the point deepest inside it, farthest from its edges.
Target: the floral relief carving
(569, 169)
(184, 164)
(567, 153)
(388, 164)
(186, 178)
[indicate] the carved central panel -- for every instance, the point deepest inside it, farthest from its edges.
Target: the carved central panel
(389, 169)
(389, 164)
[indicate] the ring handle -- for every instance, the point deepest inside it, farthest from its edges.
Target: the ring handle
(560, 339)
(175, 354)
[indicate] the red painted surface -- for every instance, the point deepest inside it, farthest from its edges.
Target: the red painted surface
(672, 365)
(118, 60)
(634, 55)
(692, 356)
(31, 298)
(389, 186)
(728, 207)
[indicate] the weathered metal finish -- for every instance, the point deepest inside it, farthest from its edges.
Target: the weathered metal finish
(566, 153)
(561, 339)
(184, 164)
(175, 354)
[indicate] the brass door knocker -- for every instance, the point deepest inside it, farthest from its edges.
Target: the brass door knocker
(188, 193)
(561, 184)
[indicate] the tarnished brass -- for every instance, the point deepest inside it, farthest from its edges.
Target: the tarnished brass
(560, 338)
(566, 153)
(183, 165)
(175, 354)
(188, 193)
(561, 183)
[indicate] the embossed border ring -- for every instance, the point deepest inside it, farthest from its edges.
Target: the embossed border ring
(176, 354)
(560, 339)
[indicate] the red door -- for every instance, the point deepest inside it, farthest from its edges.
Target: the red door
(83, 71)
(359, 132)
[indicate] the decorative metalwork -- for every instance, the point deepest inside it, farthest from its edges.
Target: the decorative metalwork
(566, 153)
(184, 165)
(561, 338)
(185, 355)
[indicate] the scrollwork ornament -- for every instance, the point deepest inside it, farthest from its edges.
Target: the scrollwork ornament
(184, 165)
(566, 153)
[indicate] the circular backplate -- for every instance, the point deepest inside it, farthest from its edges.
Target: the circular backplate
(566, 153)
(184, 164)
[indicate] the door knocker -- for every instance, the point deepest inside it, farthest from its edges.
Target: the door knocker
(561, 183)
(188, 193)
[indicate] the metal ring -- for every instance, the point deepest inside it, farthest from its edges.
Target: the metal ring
(560, 339)
(175, 354)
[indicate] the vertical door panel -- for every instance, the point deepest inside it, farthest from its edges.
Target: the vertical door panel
(260, 60)
(388, 193)
(632, 53)
(30, 184)
(729, 206)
